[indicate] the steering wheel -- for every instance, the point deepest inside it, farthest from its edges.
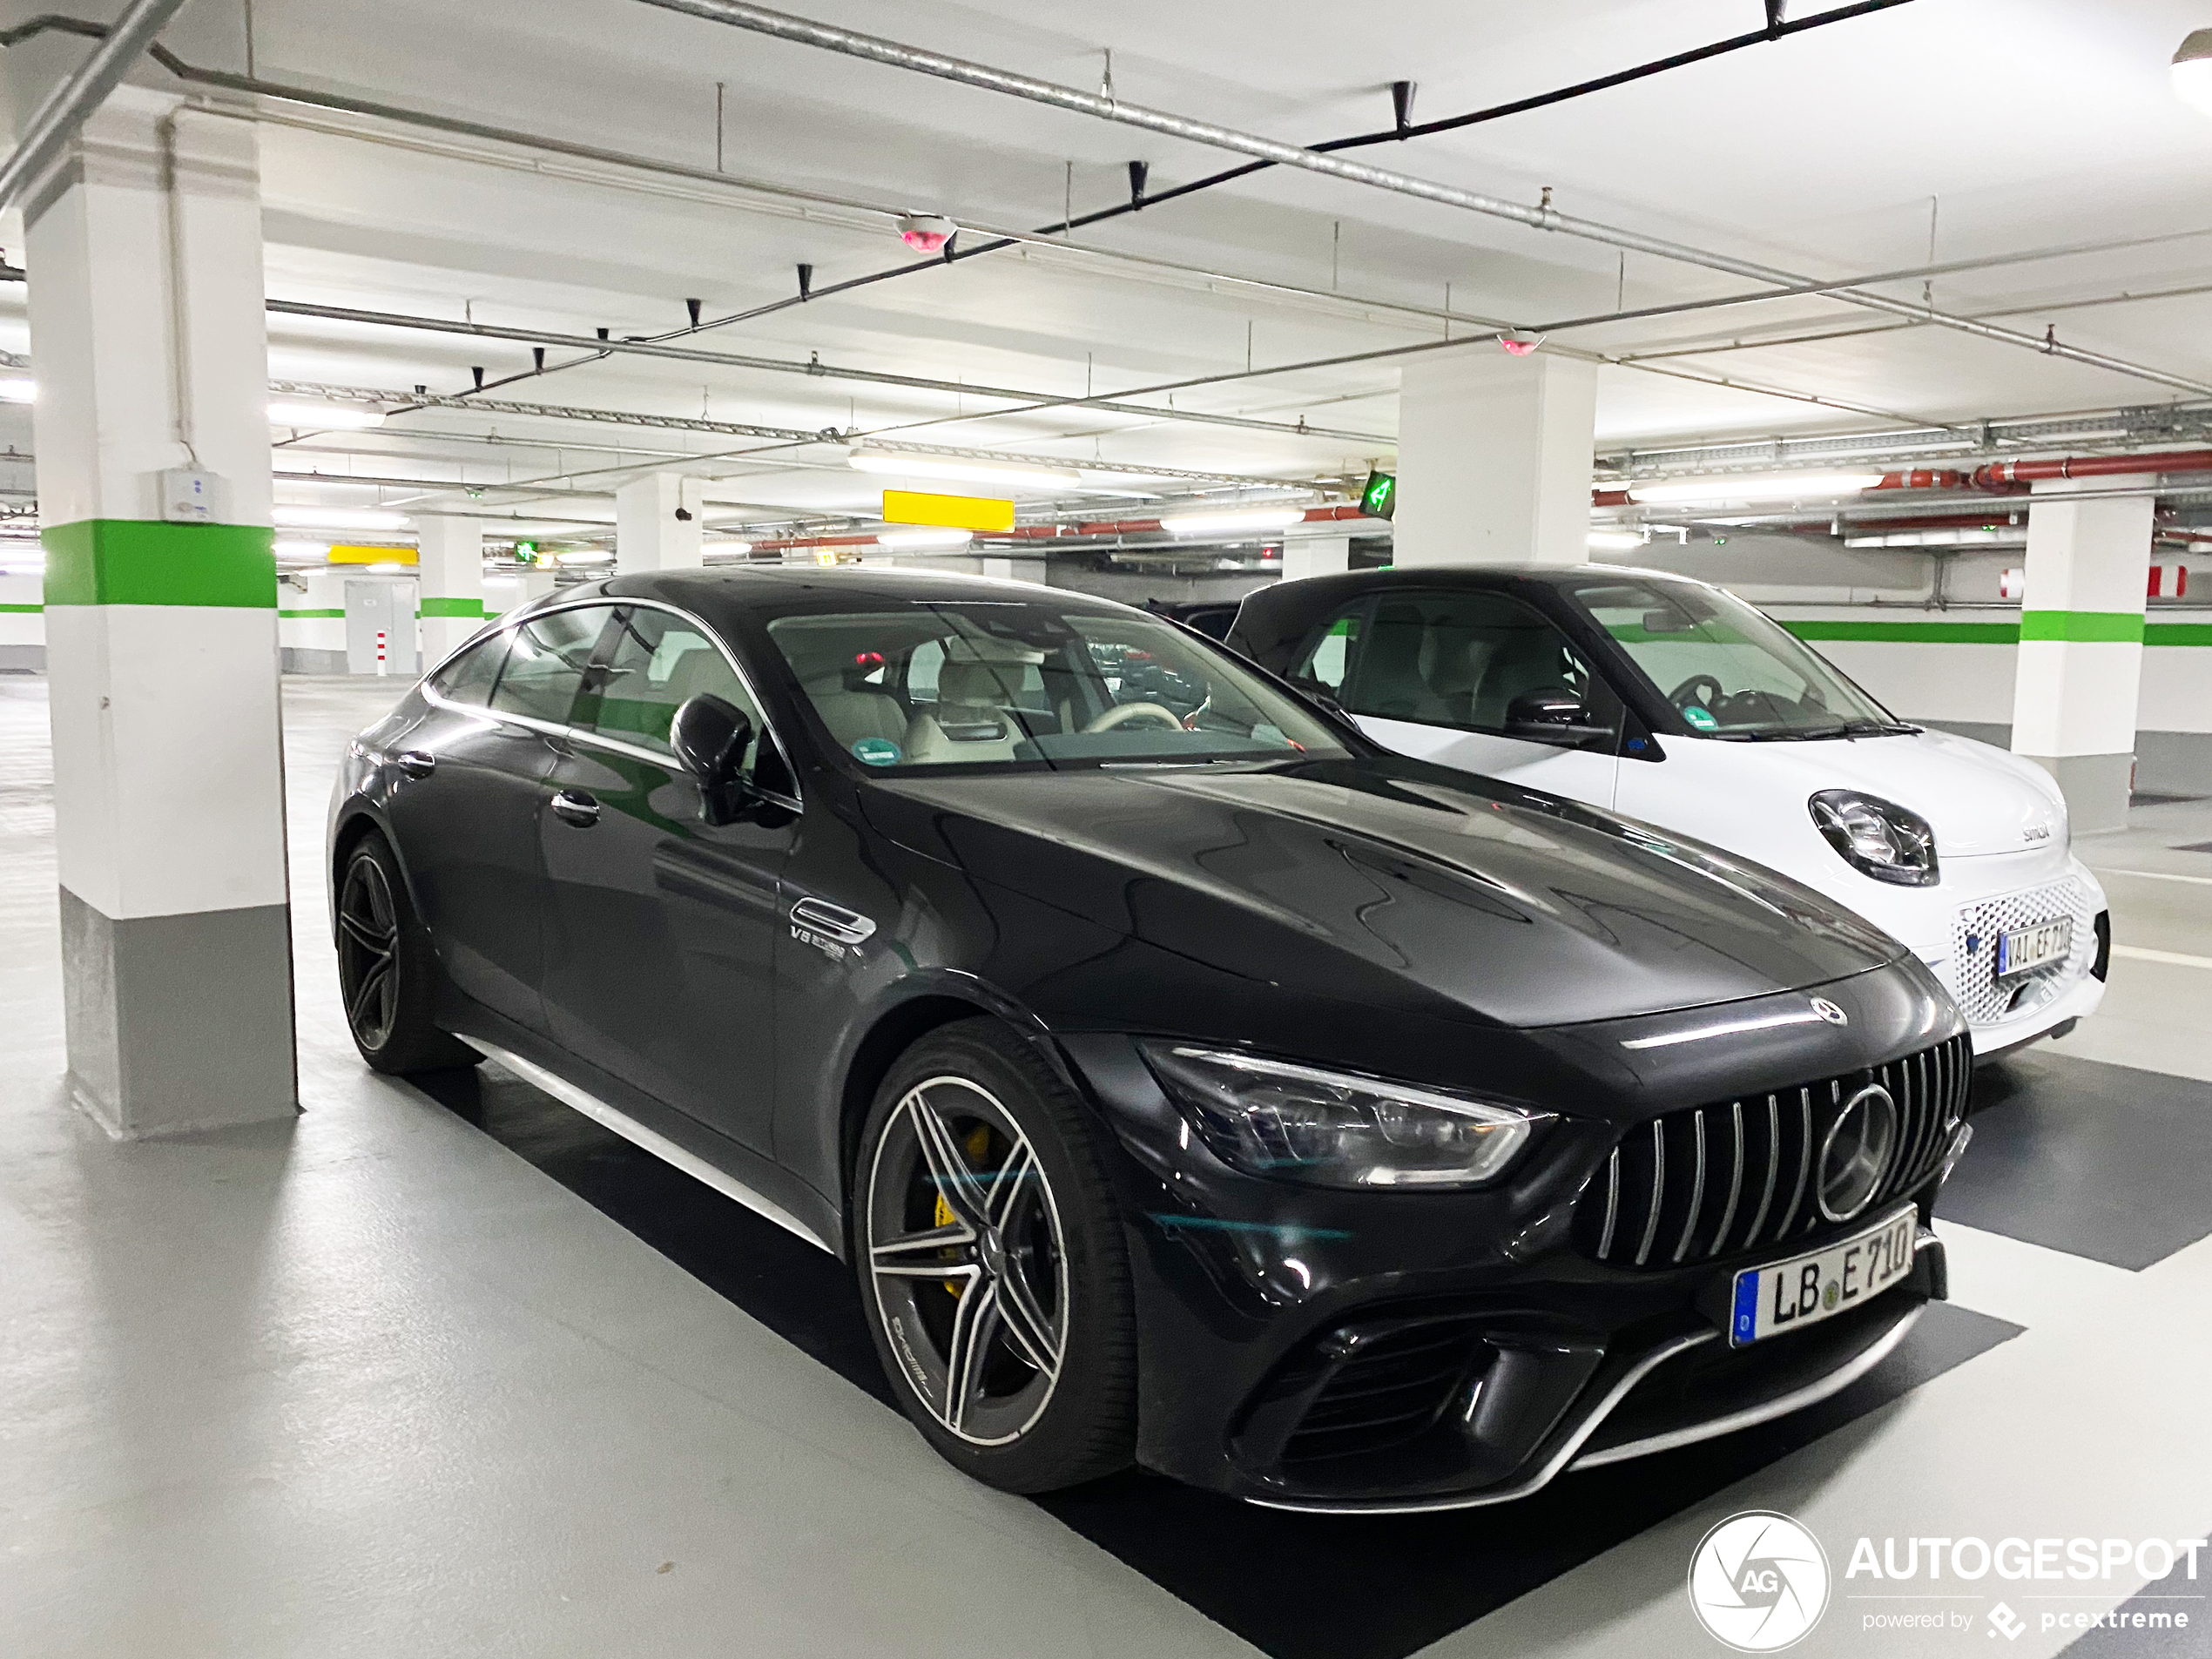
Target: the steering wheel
(1121, 713)
(1698, 688)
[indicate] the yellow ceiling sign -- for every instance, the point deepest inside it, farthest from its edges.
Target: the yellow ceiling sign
(951, 512)
(343, 555)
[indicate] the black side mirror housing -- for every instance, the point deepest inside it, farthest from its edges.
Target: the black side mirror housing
(710, 735)
(1551, 717)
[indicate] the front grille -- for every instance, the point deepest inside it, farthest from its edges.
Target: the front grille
(1386, 1388)
(1973, 950)
(1716, 1180)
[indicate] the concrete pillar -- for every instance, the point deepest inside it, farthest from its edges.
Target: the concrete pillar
(656, 523)
(144, 249)
(450, 570)
(2082, 643)
(1493, 459)
(1304, 556)
(999, 570)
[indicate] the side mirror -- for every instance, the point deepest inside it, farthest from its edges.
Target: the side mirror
(1550, 717)
(710, 736)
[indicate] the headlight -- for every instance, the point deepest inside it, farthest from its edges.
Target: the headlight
(1877, 837)
(1326, 1128)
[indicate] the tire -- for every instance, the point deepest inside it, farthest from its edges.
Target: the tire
(1020, 1287)
(387, 975)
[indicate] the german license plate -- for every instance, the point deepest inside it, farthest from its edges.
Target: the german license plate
(2025, 949)
(1785, 1296)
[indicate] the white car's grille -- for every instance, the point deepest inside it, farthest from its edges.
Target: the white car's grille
(1973, 946)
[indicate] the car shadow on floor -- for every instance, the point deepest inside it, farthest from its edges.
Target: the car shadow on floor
(1297, 1587)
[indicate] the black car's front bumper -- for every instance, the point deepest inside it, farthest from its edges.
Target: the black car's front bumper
(1397, 1352)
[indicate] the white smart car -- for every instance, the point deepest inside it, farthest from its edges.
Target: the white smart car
(1671, 701)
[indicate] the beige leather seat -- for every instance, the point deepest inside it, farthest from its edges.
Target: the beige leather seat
(972, 719)
(853, 715)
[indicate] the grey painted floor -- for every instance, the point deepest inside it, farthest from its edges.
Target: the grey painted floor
(374, 1382)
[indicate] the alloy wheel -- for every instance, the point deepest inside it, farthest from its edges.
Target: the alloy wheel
(368, 943)
(968, 1260)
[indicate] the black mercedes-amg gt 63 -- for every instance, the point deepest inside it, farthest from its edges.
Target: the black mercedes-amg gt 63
(1199, 1085)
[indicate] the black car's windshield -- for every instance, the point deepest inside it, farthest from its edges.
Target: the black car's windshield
(1729, 670)
(1013, 684)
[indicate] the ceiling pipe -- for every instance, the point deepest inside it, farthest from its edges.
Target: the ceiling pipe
(1335, 513)
(66, 108)
(1999, 474)
(819, 370)
(740, 14)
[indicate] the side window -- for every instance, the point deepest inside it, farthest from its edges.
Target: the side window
(468, 679)
(650, 665)
(1463, 659)
(544, 666)
(1326, 661)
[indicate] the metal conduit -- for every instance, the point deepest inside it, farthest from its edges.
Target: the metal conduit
(740, 14)
(824, 371)
(65, 109)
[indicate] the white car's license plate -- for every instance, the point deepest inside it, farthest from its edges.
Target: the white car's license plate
(1783, 1296)
(2024, 948)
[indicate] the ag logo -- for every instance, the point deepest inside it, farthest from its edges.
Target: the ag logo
(1758, 1582)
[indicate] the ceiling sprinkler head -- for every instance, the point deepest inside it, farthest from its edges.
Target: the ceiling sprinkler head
(1519, 342)
(925, 232)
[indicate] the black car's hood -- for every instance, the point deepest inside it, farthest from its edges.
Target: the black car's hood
(1391, 882)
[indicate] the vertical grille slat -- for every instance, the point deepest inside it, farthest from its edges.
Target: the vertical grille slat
(1735, 1179)
(1697, 1185)
(1697, 1200)
(1658, 1188)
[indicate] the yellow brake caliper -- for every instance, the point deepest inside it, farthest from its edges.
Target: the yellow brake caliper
(977, 1145)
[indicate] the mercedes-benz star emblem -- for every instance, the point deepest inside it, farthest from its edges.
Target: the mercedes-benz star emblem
(1830, 1012)
(1856, 1153)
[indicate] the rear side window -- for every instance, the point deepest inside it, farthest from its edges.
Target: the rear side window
(1461, 660)
(545, 665)
(1326, 661)
(468, 679)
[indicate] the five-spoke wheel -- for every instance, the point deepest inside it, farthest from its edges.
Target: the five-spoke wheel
(388, 972)
(991, 1262)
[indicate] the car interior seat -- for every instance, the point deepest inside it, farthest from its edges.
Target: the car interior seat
(973, 718)
(853, 711)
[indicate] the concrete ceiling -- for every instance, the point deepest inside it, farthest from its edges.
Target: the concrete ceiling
(2027, 123)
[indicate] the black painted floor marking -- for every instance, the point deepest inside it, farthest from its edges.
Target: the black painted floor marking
(2103, 1161)
(1297, 1587)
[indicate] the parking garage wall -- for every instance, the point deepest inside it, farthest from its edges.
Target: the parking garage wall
(23, 624)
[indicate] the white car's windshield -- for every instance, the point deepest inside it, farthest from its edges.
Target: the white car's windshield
(1010, 684)
(1729, 670)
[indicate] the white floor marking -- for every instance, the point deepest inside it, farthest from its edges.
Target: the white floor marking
(2162, 875)
(2142, 955)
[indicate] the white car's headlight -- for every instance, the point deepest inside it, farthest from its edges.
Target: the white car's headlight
(1329, 1129)
(1877, 837)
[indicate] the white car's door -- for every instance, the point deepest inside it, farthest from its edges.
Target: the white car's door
(1435, 675)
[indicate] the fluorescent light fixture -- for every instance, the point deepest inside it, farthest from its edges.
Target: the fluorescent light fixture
(1008, 472)
(350, 417)
(338, 518)
(1749, 486)
(2193, 72)
(1232, 520)
(1614, 541)
(586, 555)
(17, 391)
(727, 544)
(294, 548)
(922, 539)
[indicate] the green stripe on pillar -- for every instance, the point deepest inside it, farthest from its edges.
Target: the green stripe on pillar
(1918, 633)
(2178, 633)
(472, 609)
(141, 561)
(2084, 627)
(292, 614)
(33, 610)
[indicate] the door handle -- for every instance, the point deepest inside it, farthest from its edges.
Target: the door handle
(415, 763)
(575, 806)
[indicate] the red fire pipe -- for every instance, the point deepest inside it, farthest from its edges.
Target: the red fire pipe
(1998, 474)
(1335, 513)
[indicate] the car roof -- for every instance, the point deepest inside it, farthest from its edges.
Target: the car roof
(778, 588)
